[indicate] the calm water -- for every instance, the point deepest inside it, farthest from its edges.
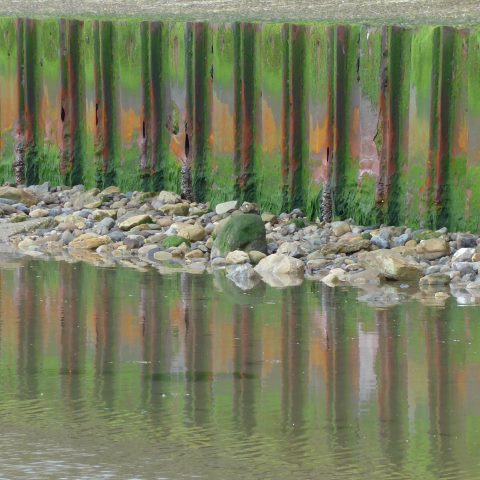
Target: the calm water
(116, 373)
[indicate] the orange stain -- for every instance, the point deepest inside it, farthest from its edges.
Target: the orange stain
(222, 137)
(130, 123)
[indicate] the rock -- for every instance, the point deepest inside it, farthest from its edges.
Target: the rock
(174, 241)
(249, 207)
(368, 276)
(148, 250)
(6, 209)
(245, 231)
(334, 277)
(463, 255)
(162, 256)
(18, 217)
(391, 265)
(164, 222)
(116, 236)
(75, 220)
(243, 276)
(89, 241)
(476, 257)
(133, 241)
(226, 207)
(67, 237)
(26, 244)
(380, 241)
(80, 199)
(237, 257)
(194, 233)
(255, 256)
(269, 218)
(98, 215)
(466, 240)
(131, 222)
(294, 249)
(401, 240)
(39, 213)
(426, 235)
(433, 248)
(156, 238)
(104, 226)
(21, 195)
(194, 254)
(316, 264)
(345, 247)
(168, 198)
(178, 209)
(435, 279)
(340, 228)
(111, 190)
(280, 264)
(94, 204)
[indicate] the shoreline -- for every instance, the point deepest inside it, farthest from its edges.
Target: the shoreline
(164, 231)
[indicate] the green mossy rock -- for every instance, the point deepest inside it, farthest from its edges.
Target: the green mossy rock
(426, 235)
(244, 231)
(174, 241)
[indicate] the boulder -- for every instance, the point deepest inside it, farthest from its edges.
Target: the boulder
(433, 248)
(89, 241)
(391, 265)
(255, 256)
(352, 246)
(226, 207)
(19, 195)
(245, 231)
(131, 222)
(280, 264)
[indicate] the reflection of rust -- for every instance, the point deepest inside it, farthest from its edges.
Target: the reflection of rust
(146, 125)
(97, 78)
(65, 145)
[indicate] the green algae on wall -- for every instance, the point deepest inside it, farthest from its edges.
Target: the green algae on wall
(381, 122)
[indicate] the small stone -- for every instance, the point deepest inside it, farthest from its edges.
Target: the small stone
(194, 254)
(269, 218)
(476, 257)
(335, 277)
(178, 209)
(26, 243)
(194, 233)
(39, 213)
(98, 215)
(435, 279)
(293, 249)
(237, 257)
(111, 190)
(162, 256)
(94, 204)
(411, 244)
(116, 236)
(243, 276)
(280, 264)
(463, 255)
(134, 221)
(391, 265)
(340, 228)
(134, 241)
(18, 217)
(168, 198)
(164, 222)
(226, 207)
(433, 248)
(466, 240)
(89, 241)
(156, 238)
(255, 256)
(67, 237)
(380, 241)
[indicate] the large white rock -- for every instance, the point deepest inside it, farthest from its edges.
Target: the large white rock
(280, 264)
(237, 257)
(463, 255)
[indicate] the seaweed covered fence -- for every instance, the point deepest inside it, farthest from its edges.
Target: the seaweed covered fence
(378, 123)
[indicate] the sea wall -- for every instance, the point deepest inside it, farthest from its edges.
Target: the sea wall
(377, 123)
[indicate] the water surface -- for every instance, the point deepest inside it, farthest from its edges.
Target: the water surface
(124, 374)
